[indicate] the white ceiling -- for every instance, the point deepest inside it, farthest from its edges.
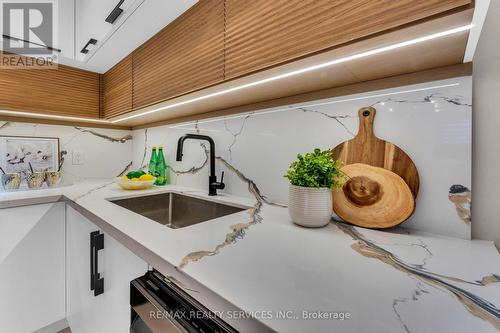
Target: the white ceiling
(145, 22)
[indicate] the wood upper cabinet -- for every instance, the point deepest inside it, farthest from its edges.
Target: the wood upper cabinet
(186, 55)
(218, 40)
(57, 91)
(116, 89)
(263, 33)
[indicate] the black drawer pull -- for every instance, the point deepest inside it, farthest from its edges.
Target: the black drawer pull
(115, 13)
(91, 41)
(96, 244)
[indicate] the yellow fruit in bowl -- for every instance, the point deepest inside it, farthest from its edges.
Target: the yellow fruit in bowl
(146, 177)
(136, 182)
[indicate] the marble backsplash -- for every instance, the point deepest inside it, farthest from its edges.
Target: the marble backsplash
(431, 122)
(106, 153)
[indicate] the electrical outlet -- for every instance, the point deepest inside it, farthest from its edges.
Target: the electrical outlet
(78, 157)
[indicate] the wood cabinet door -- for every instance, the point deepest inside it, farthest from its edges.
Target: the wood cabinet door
(263, 33)
(186, 55)
(116, 89)
(56, 91)
(32, 267)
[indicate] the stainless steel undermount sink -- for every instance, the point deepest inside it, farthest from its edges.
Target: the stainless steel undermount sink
(176, 210)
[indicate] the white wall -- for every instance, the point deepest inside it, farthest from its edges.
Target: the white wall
(486, 128)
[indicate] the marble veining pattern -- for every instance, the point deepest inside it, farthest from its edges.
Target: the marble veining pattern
(476, 305)
(5, 124)
(432, 125)
(107, 153)
(124, 171)
(238, 230)
(143, 163)
(334, 117)
(460, 196)
(240, 136)
(123, 139)
(406, 273)
(235, 134)
(432, 98)
(419, 291)
(425, 280)
(194, 169)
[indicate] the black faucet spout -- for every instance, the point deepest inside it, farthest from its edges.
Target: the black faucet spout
(213, 185)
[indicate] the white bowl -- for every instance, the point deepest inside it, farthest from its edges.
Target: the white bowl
(134, 184)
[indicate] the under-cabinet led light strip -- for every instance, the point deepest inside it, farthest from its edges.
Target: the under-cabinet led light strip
(306, 69)
(298, 106)
(41, 115)
(252, 84)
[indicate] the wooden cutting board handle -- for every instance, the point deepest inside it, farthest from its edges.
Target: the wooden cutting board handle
(367, 148)
(366, 117)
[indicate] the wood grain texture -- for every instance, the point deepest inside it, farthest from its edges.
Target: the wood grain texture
(186, 55)
(373, 197)
(117, 89)
(368, 149)
(57, 91)
(435, 74)
(157, 80)
(262, 33)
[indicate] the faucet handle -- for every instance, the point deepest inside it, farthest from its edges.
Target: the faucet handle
(219, 185)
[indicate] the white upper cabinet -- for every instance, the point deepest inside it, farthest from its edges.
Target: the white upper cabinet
(96, 21)
(80, 21)
(65, 29)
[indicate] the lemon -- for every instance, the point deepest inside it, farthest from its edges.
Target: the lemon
(135, 179)
(124, 178)
(146, 177)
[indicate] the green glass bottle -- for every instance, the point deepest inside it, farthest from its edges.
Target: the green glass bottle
(161, 168)
(152, 162)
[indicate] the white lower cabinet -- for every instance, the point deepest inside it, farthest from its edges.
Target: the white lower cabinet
(32, 267)
(108, 312)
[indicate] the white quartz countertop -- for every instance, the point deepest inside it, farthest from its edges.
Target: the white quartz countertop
(338, 278)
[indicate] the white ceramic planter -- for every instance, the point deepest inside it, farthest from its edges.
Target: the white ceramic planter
(310, 207)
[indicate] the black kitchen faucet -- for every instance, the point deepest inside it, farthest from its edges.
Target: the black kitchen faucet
(213, 184)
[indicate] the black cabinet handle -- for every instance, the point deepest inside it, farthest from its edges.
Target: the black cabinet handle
(115, 13)
(91, 41)
(50, 48)
(96, 244)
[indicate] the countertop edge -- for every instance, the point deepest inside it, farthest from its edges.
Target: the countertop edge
(213, 301)
(32, 201)
(197, 290)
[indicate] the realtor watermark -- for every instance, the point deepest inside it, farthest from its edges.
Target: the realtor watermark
(29, 33)
(259, 315)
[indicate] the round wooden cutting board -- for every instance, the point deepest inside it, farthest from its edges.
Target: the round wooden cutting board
(373, 197)
(366, 148)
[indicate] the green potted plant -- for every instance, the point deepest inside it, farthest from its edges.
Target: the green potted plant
(312, 176)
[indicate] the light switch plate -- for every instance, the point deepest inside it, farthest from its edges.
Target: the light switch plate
(78, 157)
